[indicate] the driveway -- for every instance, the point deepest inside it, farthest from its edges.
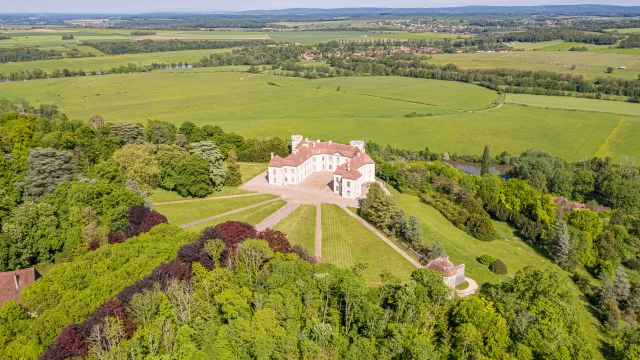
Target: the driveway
(315, 189)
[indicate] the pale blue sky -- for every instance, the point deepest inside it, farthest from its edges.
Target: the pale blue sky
(129, 6)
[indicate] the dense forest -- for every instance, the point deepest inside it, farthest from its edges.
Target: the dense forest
(568, 35)
(238, 293)
(15, 54)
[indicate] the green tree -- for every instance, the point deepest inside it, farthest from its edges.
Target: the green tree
(560, 243)
(585, 220)
(234, 177)
(413, 232)
(193, 177)
(46, 169)
(378, 207)
(209, 152)
(139, 163)
(191, 131)
(127, 133)
(29, 236)
(486, 161)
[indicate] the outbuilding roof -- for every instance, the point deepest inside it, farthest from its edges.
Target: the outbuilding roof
(13, 282)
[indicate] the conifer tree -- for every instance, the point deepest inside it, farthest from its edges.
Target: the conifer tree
(485, 162)
(560, 245)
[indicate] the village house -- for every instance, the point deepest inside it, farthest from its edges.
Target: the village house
(351, 166)
(453, 275)
(13, 282)
(565, 204)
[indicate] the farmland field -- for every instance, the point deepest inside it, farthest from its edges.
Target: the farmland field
(592, 65)
(300, 227)
(182, 213)
(251, 216)
(514, 252)
(345, 241)
(367, 108)
(108, 61)
(561, 102)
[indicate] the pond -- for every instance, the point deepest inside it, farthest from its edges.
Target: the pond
(475, 167)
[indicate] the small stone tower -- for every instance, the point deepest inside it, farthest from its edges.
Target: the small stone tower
(295, 140)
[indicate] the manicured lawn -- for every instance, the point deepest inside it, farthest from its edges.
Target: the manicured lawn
(251, 170)
(345, 241)
(160, 195)
(571, 103)
(367, 108)
(251, 216)
(514, 252)
(300, 227)
(182, 213)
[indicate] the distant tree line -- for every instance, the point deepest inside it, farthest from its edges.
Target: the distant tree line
(150, 46)
(142, 33)
(498, 79)
(633, 41)
(568, 35)
(16, 54)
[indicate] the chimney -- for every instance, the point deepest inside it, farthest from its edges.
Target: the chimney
(272, 155)
(318, 140)
(16, 279)
(330, 142)
(306, 139)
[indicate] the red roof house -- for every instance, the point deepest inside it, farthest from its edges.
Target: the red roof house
(13, 282)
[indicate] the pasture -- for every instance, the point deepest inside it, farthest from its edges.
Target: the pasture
(345, 242)
(182, 213)
(251, 216)
(300, 227)
(368, 108)
(106, 62)
(591, 64)
(571, 103)
(514, 252)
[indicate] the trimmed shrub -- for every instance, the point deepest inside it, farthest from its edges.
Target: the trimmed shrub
(486, 259)
(498, 267)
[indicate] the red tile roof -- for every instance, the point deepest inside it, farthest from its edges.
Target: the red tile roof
(352, 175)
(13, 282)
(306, 149)
(442, 265)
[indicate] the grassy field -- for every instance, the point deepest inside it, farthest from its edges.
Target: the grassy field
(571, 103)
(300, 227)
(591, 64)
(182, 213)
(345, 241)
(108, 61)
(555, 45)
(251, 216)
(367, 108)
(250, 170)
(514, 252)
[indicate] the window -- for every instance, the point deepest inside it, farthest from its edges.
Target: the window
(285, 170)
(274, 171)
(349, 183)
(329, 166)
(348, 193)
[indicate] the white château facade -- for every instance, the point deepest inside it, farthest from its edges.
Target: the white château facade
(350, 165)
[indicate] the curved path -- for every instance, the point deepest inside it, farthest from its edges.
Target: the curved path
(471, 289)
